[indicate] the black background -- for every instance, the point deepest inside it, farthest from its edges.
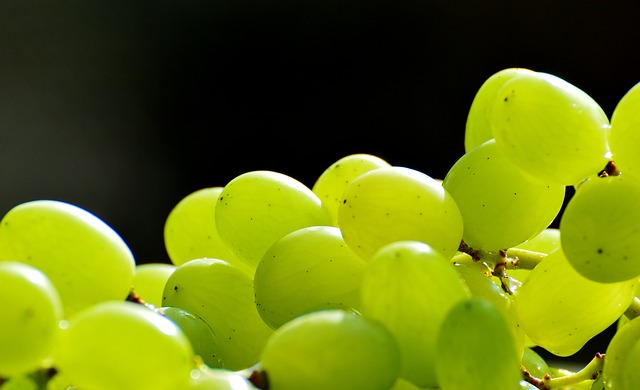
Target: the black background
(125, 107)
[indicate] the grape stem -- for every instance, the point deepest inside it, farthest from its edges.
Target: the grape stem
(633, 310)
(590, 372)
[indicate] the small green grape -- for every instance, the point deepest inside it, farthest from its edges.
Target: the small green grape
(534, 363)
(207, 378)
(149, 281)
(624, 137)
(618, 350)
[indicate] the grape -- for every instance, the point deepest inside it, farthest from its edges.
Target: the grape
(123, 345)
(19, 383)
(600, 229)
(475, 349)
(534, 363)
(87, 261)
(478, 126)
(617, 353)
(307, 270)
(489, 191)
(31, 309)
(624, 138)
(223, 297)
(630, 374)
(331, 349)
(560, 310)
(398, 203)
(546, 242)
(190, 230)
(332, 182)
(256, 209)
(149, 280)
(408, 286)
(550, 128)
(206, 378)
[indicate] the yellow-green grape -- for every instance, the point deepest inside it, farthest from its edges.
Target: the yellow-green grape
(398, 203)
(307, 270)
(203, 340)
(478, 125)
(208, 378)
(123, 345)
(620, 346)
(501, 205)
(546, 242)
(223, 297)
(550, 128)
(87, 261)
(534, 363)
(19, 383)
(332, 182)
(256, 209)
(149, 280)
(409, 287)
(600, 229)
(560, 310)
(475, 348)
(624, 138)
(190, 231)
(331, 349)
(630, 374)
(31, 310)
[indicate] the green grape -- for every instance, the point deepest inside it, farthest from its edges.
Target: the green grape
(546, 241)
(149, 280)
(550, 128)
(123, 345)
(600, 229)
(223, 297)
(409, 287)
(207, 378)
(475, 349)
(624, 138)
(398, 203)
(190, 231)
(19, 383)
(203, 340)
(331, 349)
(256, 209)
(307, 270)
(87, 261)
(31, 310)
(560, 310)
(501, 205)
(524, 385)
(534, 363)
(331, 183)
(617, 353)
(630, 374)
(478, 126)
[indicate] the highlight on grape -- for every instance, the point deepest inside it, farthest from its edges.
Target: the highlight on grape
(377, 276)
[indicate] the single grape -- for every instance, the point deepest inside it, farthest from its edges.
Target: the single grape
(207, 378)
(331, 349)
(630, 374)
(398, 203)
(534, 363)
(618, 350)
(149, 281)
(307, 270)
(624, 138)
(87, 261)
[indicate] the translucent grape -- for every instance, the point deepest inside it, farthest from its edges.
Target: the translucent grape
(31, 310)
(307, 270)
(149, 280)
(631, 374)
(409, 287)
(624, 138)
(617, 353)
(546, 241)
(600, 229)
(550, 128)
(331, 349)
(489, 191)
(475, 349)
(398, 203)
(87, 261)
(534, 363)
(206, 378)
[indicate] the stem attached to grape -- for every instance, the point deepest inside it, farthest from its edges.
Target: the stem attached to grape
(590, 372)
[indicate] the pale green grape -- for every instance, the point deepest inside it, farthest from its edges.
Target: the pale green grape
(409, 287)
(478, 125)
(190, 231)
(206, 378)
(475, 349)
(501, 205)
(223, 297)
(31, 310)
(309, 269)
(149, 280)
(546, 241)
(630, 374)
(87, 261)
(123, 345)
(624, 137)
(534, 363)
(620, 346)
(331, 349)
(560, 310)
(398, 203)
(600, 229)
(256, 209)
(550, 128)
(203, 340)
(331, 183)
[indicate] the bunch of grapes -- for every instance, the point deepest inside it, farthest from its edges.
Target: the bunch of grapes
(376, 277)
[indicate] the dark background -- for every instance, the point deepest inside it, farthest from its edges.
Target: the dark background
(125, 107)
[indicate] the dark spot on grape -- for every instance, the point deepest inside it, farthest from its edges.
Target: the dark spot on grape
(600, 251)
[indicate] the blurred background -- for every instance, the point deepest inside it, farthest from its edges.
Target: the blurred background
(125, 107)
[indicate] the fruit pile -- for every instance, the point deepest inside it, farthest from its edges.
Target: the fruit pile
(376, 277)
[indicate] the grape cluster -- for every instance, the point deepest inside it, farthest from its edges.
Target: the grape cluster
(376, 277)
